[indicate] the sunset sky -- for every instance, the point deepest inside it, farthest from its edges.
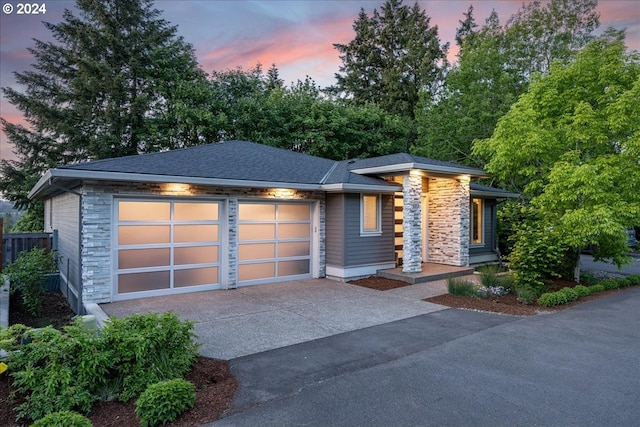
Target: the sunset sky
(297, 36)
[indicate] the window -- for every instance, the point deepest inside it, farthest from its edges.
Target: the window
(370, 214)
(476, 221)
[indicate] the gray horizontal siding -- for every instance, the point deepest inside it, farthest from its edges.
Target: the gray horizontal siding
(335, 229)
(64, 217)
(363, 250)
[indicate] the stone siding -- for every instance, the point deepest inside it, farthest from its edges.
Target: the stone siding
(97, 223)
(412, 224)
(449, 221)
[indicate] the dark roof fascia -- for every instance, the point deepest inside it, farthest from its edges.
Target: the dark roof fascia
(493, 193)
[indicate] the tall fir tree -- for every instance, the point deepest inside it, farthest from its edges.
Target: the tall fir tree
(394, 55)
(115, 80)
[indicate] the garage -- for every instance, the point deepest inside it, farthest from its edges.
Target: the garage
(274, 241)
(166, 246)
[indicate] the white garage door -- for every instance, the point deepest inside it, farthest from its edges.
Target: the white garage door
(165, 247)
(274, 242)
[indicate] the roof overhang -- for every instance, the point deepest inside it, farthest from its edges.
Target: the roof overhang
(406, 167)
(55, 181)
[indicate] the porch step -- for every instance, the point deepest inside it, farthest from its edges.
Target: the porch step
(430, 273)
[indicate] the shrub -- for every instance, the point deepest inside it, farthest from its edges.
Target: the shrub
(58, 371)
(610, 284)
(147, 349)
(164, 401)
(461, 287)
(588, 278)
(27, 274)
(489, 275)
(11, 337)
(596, 288)
(569, 293)
(63, 419)
(526, 294)
(582, 291)
(634, 279)
(550, 299)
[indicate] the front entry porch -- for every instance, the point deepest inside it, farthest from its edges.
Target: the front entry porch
(430, 273)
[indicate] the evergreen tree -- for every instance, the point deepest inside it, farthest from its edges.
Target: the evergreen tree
(394, 55)
(116, 80)
(467, 27)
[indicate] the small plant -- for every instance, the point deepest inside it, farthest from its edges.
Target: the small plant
(610, 284)
(582, 290)
(461, 287)
(489, 275)
(634, 279)
(11, 337)
(550, 299)
(27, 275)
(526, 294)
(588, 278)
(569, 293)
(597, 288)
(63, 419)
(164, 401)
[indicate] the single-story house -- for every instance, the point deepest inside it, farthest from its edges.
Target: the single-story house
(238, 213)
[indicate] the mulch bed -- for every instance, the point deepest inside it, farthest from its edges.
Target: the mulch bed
(215, 385)
(507, 304)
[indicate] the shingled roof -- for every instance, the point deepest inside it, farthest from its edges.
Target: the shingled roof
(246, 164)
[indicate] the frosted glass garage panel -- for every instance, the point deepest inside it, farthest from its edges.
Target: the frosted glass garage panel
(256, 232)
(195, 255)
(295, 212)
(144, 211)
(292, 249)
(138, 282)
(251, 251)
(140, 258)
(263, 270)
(292, 268)
(143, 234)
(257, 212)
(294, 231)
(195, 277)
(195, 233)
(195, 211)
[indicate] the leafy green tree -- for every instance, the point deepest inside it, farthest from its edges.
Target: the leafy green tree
(116, 80)
(571, 146)
(467, 28)
(494, 68)
(394, 55)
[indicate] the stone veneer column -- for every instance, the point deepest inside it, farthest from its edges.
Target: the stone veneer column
(412, 224)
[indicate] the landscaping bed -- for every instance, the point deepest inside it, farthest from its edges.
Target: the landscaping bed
(214, 384)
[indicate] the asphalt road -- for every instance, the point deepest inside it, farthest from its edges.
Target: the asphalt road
(578, 367)
(587, 263)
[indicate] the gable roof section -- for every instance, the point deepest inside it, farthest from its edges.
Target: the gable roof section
(491, 192)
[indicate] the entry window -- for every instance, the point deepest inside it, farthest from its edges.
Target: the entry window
(476, 221)
(164, 245)
(370, 214)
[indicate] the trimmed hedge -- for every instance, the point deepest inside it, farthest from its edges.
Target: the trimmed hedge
(63, 419)
(164, 401)
(566, 295)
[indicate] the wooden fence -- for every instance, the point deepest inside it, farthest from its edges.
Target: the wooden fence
(14, 243)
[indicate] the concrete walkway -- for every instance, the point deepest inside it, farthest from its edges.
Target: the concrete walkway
(249, 320)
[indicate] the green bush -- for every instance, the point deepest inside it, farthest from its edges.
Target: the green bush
(588, 278)
(70, 370)
(610, 284)
(596, 288)
(11, 337)
(147, 349)
(461, 287)
(58, 371)
(63, 419)
(27, 275)
(164, 401)
(569, 293)
(634, 279)
(526, 294)
(489, 275)
(550, 299)
(582, 291)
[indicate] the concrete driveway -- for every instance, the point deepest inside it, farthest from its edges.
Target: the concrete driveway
(249, 320)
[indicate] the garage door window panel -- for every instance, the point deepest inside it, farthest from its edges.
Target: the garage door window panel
(180, 248)
(256, 212)
(253, 251)
(293, 268)
(294, 249)
(248, 232)
(265, 270)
